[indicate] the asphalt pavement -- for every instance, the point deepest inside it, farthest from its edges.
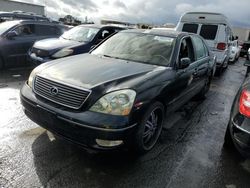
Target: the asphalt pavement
(189, 153)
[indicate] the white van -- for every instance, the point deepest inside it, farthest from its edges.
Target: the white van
(214, 28)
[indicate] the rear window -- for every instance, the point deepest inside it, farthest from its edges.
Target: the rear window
(208, 32)
(191, 28)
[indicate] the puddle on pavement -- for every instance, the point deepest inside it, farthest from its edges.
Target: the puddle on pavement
(33, 132)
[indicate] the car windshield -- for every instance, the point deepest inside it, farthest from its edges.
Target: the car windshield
(6, 26)
(80, 34)
(139, 47)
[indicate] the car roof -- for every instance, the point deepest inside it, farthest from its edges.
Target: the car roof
(99, 26)
(33, 22)
(162, 32)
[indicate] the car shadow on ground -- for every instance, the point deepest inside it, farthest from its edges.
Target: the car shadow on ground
(17, 76)
(57, 160)
(232, 167)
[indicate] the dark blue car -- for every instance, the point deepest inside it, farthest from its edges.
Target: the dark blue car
(17, 37)
(78, 40)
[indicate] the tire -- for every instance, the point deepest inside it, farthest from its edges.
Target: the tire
(228, 142)
(202, 94)
(218, 71)
(149, 129)
(247, 71)
(224, 68)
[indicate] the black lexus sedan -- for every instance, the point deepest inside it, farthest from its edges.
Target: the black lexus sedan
(78, 40)
(238, 130)
(118, 94)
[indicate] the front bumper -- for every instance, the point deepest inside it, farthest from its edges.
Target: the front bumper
(240, 130)
(232, 57)
(32, 58)
(221, 58)
(82, 128)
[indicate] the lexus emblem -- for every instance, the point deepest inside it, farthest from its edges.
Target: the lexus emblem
(54, 91)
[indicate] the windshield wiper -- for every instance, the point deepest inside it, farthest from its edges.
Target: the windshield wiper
(67, 38)
(110, 56)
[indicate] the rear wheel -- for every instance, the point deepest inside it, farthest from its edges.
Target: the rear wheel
(219, 71)
(149, 129)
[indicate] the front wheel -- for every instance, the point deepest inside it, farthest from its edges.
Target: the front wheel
(149, 128)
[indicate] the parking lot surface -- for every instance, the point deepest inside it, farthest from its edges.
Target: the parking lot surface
(190, 152)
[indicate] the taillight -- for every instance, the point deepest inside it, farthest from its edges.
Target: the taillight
(244, 105)
(221, 46)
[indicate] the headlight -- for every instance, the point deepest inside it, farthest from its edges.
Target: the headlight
(233, 52)
(33, 74)
(115, 103)
(62, 53)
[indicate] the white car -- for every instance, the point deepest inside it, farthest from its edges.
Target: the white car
(234, 51)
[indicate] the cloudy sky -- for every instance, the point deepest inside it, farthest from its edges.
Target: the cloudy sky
(146, 11)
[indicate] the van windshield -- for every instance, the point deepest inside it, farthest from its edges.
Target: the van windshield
(209, 32)
(190, 28)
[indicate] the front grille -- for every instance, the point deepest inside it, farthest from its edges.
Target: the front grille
(60, 93)
(40, 53)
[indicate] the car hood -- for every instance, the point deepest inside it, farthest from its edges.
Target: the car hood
(55, 43)
(89, 71)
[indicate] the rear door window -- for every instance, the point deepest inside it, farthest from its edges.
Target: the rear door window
(191, 28)
(200, 49)
(209, 32)
(46, 30)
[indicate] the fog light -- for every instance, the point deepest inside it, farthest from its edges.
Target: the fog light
(108, 143)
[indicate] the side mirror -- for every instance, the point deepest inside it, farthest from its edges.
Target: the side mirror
(11, 34)
(184, 62)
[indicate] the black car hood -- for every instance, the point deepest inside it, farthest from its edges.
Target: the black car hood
(89, 71)
(55, 43)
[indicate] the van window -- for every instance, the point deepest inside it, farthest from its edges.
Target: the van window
(191, 28)
(208, 32)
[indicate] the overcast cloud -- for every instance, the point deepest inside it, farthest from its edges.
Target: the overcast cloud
(146, 11)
